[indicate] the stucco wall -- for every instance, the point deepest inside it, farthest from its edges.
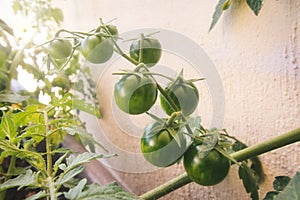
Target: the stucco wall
(257, 57)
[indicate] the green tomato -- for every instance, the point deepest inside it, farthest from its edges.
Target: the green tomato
(184, 95)
(60, 49)
(205, 169)
(151, 51)
(159, 147)
(135, 94)
(62, 81)
(96, 49)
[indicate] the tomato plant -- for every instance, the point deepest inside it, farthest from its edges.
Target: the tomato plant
(159, 146)
(96, 49)
(146, 50)
(184, 94)
(205, 168)
(60, 49)
(135, 93)
(163, 143)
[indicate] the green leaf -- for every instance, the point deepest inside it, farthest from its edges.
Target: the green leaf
(249, 181)
(256, 165)
(36, 196)
(75, 191)
(69, 175)
(33, 158)
(255, 5)
(291, 191)
(73, 166)
(94, 191)
(271, 195)
(86, 107)
(58, 162)
(281, 182)
(12, 98)
(221, 6)
(20, 181)
(6, 28)
(7, 128)
(86, 138)
(75, 161)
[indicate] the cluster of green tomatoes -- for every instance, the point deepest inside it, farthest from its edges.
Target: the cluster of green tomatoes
(165, 141)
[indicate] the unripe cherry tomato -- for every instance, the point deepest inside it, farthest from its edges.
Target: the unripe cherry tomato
(205, 169)
(60, 49)
(135, 94)
(96, 49)
(159, 147)
(184, 95)
(151, 51)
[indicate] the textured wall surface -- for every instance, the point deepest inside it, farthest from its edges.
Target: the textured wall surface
(258, 59)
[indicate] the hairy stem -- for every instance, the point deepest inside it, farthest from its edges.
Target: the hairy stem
(255, 150)
(51, 187)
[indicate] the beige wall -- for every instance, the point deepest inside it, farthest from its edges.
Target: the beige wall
(258, 60)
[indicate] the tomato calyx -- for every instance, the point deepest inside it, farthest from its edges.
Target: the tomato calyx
(180, 95)
(146, 50)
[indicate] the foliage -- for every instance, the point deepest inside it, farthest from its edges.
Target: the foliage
(285, 188)
(254, 5)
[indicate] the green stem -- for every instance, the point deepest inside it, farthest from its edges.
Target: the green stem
(269, 145)
(51, 186)
(255, 150)
(9, 172)
(167, 187)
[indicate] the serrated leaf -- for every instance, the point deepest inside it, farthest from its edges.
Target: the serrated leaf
(86, 107)
(33, 158)
(107, 192)
(249, 181)
(291, 191)
(65, 177)
(6, 28)
(86, 138)
(74, 161)
(256, 165)
(7, 128)
(36, 196)
(74, 192)
(255, 5)
(281, 182)
(59, 161)
(22, 180)
(218, 12)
